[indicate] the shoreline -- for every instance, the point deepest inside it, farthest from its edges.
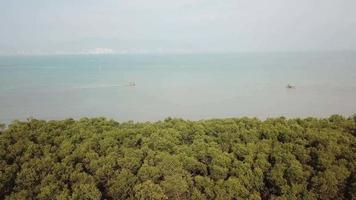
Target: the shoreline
(260, 119)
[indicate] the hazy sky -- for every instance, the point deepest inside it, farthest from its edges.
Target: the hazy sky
(176, 25)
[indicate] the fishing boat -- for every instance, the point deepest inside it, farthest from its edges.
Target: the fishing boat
(289, 86)
(132, 84)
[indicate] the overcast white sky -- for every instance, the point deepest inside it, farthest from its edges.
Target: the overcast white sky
(176, 25)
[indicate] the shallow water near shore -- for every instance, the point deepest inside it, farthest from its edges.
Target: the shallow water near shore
(189, 86)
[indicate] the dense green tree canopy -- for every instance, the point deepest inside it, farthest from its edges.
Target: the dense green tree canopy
(242, 158)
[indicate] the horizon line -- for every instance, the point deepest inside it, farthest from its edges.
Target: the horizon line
(172, 52)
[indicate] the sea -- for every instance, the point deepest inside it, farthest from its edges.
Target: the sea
(151, 87)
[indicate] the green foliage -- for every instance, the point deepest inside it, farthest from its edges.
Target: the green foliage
(149, 191)
(120, 187)
(177, 159)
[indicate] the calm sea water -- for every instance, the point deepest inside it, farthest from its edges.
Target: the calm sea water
(187, 86)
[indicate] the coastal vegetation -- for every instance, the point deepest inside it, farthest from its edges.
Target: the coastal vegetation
(234, 158)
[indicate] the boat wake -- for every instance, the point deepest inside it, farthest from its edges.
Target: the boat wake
(96, 86)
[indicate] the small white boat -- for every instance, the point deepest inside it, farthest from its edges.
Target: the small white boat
(132, 84)
(289, 86)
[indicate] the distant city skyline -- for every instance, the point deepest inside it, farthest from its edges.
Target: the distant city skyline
(167, 26)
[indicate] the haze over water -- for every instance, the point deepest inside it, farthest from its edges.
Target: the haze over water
(193, 86)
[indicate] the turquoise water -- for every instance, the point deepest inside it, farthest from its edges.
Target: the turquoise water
(187, 86)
